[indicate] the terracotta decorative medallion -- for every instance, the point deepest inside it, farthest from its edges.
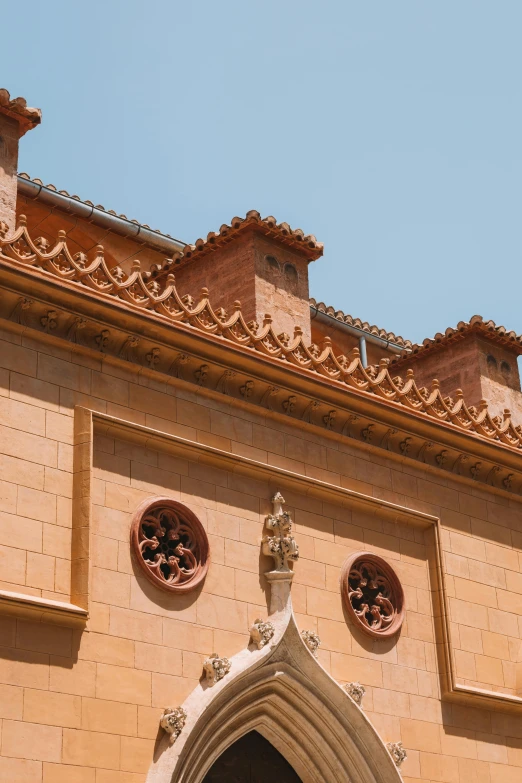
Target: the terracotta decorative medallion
(372, 594)
(170, 544)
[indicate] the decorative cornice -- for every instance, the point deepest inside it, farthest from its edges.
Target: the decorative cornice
(453, 452)
(141, 292)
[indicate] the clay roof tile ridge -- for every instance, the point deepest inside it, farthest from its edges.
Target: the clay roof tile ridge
(476, 324)
(339, 315)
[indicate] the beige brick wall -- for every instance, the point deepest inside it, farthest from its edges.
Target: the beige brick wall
(84, 706)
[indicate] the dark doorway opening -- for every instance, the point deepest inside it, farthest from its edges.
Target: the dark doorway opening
(252, 759)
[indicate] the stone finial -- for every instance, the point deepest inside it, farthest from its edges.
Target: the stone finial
(281, 546)
(173, 720)
(17, 109)
(356, 691)
(312, 641)
(216, 668)
(397, 752)
(261, 633)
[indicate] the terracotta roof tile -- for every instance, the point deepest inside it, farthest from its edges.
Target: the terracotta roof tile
(476, 325)
(50, 186)
(295, 238)
(363, 325)
(18, 109)
(140, 291)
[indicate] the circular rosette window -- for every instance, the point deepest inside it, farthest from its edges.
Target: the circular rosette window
(170, 544)
(372, 594)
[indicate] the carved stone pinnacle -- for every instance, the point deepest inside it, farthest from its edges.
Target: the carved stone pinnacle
(281, 545)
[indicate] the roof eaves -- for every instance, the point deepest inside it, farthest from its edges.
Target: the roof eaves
(35, 190)
(363, 326)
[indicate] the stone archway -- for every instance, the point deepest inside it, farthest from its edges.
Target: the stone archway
(277, 688)
(251, 759)
(284, 694)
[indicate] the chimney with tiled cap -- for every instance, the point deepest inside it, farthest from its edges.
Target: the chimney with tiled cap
(16, 118)
(258, 262)
(477, 358)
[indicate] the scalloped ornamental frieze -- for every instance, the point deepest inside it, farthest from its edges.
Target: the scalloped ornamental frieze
(142, 292)
(90, 335)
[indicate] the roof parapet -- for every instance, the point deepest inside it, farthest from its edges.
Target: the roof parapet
(140, 292)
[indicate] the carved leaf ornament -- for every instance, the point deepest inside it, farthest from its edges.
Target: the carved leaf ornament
(372, 594)
(170, 544)
(160, 296)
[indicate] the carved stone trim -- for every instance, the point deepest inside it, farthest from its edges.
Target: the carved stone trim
(261, 633)
(372, 594)
(282, 691)
(216, 668)
(167, 359)
(173, 720)
(312, 641)
(170, 544)
(397, 752)
(281, 546)
(356, 691)
(18, 315)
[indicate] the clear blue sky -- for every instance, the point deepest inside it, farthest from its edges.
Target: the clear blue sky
(390, 130)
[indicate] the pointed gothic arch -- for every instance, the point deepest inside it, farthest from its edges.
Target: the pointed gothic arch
(251, 759)
(278, 688)
(283, 693)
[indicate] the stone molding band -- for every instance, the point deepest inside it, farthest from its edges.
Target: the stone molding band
(142, 292)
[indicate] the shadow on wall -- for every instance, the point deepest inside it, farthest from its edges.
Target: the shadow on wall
(28, 649)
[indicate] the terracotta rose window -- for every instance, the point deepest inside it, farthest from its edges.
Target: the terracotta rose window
(372, 594)
(170, 544)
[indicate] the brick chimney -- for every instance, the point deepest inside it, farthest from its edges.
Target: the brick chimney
(261, 263)
(16, 118)
(478, 357)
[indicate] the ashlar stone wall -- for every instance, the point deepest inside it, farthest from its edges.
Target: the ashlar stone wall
(84, 705)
